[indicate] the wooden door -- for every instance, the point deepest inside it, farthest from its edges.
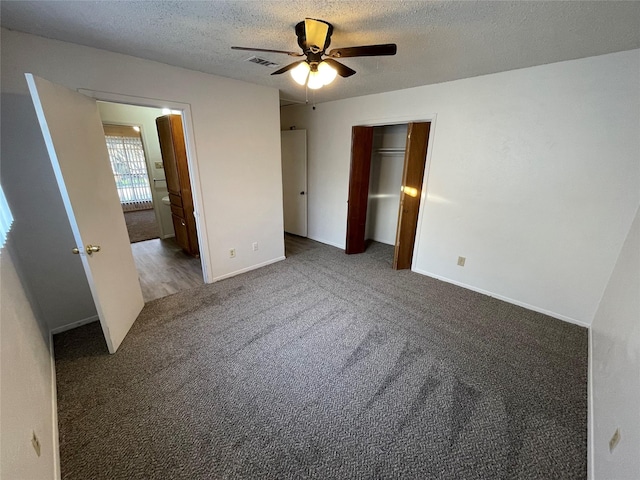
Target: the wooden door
(361, 149)
(174, 159)
(294, 181)
(170, 166)
(73, 134)
(411, 193)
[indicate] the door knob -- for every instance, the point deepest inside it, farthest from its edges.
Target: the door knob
(91, 249)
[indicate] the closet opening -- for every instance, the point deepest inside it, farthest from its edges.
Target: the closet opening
(385, 187)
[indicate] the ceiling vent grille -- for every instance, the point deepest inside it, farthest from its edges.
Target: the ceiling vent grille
(263, 62)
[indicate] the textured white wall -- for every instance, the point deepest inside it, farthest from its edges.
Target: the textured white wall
(533, 176)
(26, 375)
(615, 336)
(145, 117)
(236, 140)
(385, 182)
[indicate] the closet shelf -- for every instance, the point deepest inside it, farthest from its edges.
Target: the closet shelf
(396, 151)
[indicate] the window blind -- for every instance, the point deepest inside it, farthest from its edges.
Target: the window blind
(126, 154)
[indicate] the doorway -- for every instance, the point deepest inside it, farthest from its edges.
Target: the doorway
(294, 181)
(163, 267)
(380, 157)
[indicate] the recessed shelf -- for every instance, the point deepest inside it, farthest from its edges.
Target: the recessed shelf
(390, 151)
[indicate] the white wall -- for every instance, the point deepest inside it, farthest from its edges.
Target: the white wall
(237, 152)
(145, 118)
(385, 180)
(533, 176)
(27, 383)
(41, 230)
(615, 336)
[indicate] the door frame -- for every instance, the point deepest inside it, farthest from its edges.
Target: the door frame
(192, 159)
(405, 119)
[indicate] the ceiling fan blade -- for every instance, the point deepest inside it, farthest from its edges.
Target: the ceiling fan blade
(342, 70)
(250, 49)
(291, 66)
(315, 32)
(364, 51)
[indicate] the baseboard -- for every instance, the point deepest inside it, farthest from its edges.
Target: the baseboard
(248, 269)
(504, 299)
(79, 323)
(55, 441)
(591, 444)
(327, 242)
(168, 235)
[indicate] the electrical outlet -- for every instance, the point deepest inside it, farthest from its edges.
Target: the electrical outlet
(461, 261)
(615, 439)
(36, 443)
(255, 246)
(232, 253)
(159, 165)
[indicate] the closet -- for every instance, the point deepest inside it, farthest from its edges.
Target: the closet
(174, 158)
(385, 187)
(385, 181)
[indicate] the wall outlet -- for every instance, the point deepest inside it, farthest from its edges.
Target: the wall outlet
(615, 439)
(36, 443)
(255, 246)
(461, 261)
(159, 165)
(232, 253)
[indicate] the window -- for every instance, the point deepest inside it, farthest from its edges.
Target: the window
(129, 166)
(6, 219)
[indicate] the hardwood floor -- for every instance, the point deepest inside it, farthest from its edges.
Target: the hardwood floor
(164, 269)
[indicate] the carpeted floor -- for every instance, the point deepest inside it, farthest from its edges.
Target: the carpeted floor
(326, 366)
(141, 225)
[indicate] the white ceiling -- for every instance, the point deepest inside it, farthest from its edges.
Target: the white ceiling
(437, 41)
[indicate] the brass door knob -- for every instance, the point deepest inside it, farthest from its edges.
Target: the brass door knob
(91, 249)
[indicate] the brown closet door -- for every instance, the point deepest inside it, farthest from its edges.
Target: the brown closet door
(169, 161)
(414, 164)
(361, 147)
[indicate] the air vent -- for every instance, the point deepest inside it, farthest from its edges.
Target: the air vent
(263, 62)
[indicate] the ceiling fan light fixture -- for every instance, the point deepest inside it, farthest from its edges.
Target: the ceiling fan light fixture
(327, 73)
(300, 73)
(315, 80)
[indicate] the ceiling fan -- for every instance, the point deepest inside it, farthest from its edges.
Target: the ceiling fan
(314, 37)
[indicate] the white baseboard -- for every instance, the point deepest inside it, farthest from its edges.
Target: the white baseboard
(327, 242)
(79, 323)
(591, 444)
(55, 440)
(505, 299)
(248, 269)
(168, 235)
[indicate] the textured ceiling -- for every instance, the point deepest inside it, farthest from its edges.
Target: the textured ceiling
(437, 41)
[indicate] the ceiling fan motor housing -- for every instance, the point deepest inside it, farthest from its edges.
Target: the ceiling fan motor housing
(302, 38)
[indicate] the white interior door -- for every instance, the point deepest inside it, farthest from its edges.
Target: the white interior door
(294, 181)
(73, 133)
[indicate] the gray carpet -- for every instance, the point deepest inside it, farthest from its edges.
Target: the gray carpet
(141, 225)
(326, 366)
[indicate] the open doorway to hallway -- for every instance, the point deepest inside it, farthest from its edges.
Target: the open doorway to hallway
(133, 142)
